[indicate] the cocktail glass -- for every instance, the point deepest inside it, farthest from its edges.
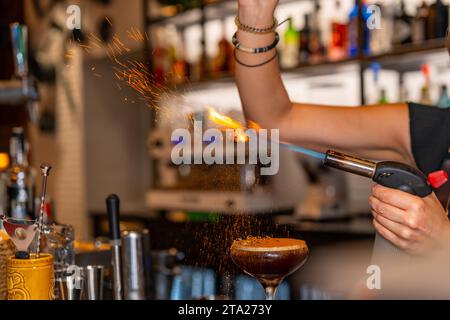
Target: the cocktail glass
(269, 260)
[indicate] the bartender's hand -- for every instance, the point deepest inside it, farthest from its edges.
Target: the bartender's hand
(257, 13)
(416, 225)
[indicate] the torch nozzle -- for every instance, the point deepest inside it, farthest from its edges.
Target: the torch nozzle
(361, 167)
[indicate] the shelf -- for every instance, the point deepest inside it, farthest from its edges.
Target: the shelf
(404, 59)
(194, 15)
(185, 19)
(408, 57)
(213, 9)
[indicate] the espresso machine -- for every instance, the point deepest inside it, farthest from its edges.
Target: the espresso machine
(218, 188)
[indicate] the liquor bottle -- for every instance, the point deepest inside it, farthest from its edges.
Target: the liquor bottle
(425, 98)
(161, 64)
(425, 91)
(223, 62)
(403, 95)
(180, 67)
(289, 56)
(353, 30)
(376, 70)
(383, 97)
(402, 26)
(444, 100)
(338, 43)
(381, 37)
(4, 165)
(305, 38)
(420, 24)
(316, 47)
(21, 184)
(437, 20)
(442, 22)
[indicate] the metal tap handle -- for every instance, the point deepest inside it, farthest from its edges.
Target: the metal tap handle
(113, 205)
(19, 38)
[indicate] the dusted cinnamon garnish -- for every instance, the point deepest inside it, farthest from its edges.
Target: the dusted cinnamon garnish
(269, 244)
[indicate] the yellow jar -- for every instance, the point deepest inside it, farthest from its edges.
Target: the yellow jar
(31, 279)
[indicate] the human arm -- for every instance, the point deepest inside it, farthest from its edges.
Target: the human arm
(375, 132)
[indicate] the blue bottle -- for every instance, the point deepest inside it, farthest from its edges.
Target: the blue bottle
(353, 26)
(444, 100)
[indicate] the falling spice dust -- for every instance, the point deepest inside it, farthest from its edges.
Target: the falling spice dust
(213, 237)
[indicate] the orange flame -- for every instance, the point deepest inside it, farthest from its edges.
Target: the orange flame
(240, 136)
(223, 120)
(230, 123)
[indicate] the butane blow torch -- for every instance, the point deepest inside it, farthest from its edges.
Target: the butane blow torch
(390, 174)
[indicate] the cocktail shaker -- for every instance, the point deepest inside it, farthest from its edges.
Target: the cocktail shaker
(133, 266)
(93, 276)
(71, 286)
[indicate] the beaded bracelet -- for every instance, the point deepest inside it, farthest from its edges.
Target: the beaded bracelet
(254, 65)
(240, 47)
(246, 28)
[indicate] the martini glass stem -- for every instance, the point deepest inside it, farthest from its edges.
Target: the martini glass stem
(270, 291)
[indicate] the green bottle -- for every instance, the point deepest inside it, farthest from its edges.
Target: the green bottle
(290, 53)
(383, 97)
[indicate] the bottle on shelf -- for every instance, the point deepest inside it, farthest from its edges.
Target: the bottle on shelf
(223, 62)
(383, 97)
(420, 24)
(403, 96)
(353, 30)
(180, 68)
(305, 39)
(316, 46)
(402, 32)
(171, 77)
(160, 58)
(444, 100)
(4, 165)
(437, 20)
(21, 183)
(425, 97)
(290, 51)
(381, 38)
(339, 36)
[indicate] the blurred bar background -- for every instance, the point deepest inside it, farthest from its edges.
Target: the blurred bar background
(103, 134)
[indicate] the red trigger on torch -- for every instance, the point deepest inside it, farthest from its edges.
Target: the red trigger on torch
(437, 179)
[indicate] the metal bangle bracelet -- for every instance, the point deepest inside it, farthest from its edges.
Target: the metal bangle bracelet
(240, 47)
(256, 30)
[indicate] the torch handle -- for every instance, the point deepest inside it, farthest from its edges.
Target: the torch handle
(402, 177)
(390, 174)
(405, 178)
